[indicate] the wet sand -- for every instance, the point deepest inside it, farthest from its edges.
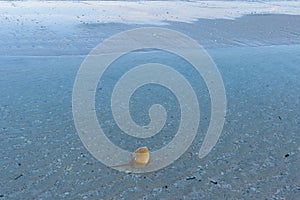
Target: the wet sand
(257, 156)
(66, 28)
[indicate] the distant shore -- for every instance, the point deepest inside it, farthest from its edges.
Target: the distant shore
(74, 28)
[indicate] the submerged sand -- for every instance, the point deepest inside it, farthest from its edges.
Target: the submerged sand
(257, 156)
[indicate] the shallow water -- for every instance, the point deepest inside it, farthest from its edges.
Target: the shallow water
(256, 53)
(256, 157)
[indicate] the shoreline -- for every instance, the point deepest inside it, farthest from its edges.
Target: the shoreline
(74, 28)
(83, 56)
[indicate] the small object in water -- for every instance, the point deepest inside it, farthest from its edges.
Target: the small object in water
(287, 155)
(69, 168)
(19, 176)
(190, 178)
(139, 157)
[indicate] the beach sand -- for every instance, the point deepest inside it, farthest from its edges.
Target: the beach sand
(256, 157)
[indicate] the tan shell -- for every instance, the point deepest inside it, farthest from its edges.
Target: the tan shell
(141, 156)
